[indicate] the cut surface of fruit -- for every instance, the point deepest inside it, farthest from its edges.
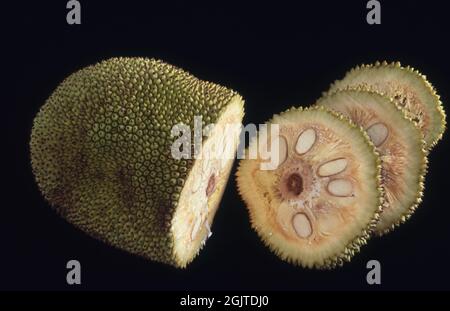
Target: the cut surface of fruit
(198, 204)
(409, 90)
(319, 205)
(399, 144)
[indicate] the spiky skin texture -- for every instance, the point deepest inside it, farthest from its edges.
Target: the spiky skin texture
(403, 159)
(408, 88)
(101, 149)
(351, 221)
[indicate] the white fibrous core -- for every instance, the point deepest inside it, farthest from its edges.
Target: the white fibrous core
(205, 184)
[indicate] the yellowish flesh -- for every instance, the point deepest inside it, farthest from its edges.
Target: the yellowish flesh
(399, 143)
(306, 218)
(408, 88)
(196, 209)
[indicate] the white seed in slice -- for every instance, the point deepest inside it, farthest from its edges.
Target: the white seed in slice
(340, 187)
(378, 133)
(332, 167)
(302, 225)
(305, 141)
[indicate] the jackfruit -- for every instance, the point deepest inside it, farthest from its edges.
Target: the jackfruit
(101, 151)
(408, 88)
(400, 146)
(317, 204)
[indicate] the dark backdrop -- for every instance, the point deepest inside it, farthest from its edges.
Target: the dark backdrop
(276, 55)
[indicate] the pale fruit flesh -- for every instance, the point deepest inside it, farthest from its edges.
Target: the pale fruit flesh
(409, 90)
(205, 185)
(399, 143)
(314, 209)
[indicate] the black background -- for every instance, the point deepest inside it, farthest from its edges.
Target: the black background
(275, 55)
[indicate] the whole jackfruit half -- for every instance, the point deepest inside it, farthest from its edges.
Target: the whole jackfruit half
(400, 146)
(408, 88)
(101, 151)
(316, 199)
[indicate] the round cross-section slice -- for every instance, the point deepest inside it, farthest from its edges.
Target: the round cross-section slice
(399, 143)
(409, 90)
(318, 206)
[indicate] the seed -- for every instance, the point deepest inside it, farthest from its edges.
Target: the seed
(302, 225)
(305, 141)
(332, 167)
(340, 187)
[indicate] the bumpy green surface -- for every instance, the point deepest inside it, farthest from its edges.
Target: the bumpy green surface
(100, 149)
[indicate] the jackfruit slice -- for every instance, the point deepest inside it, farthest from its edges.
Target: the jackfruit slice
(408, 88)
(320, 199)
(101, 151)
(400, 146)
